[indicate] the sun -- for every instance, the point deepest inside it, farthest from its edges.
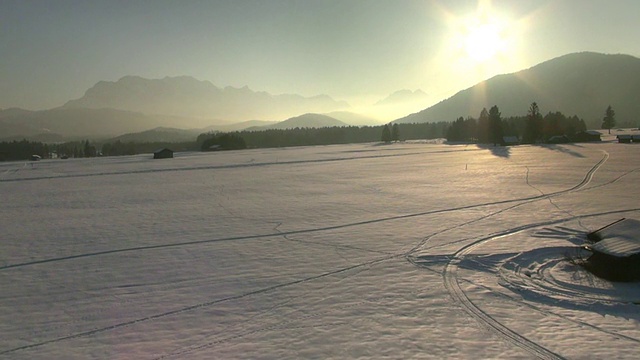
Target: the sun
(482, 37)
(482, 42)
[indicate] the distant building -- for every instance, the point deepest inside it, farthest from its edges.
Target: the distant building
(616, 251)
(510, 140)
(163, 153)
(624, 138)
(558, 139)
(586, 136)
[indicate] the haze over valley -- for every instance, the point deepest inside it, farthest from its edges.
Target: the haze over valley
(295, 179)
(215, 66)
(581, 84)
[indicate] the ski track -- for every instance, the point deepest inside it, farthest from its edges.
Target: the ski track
(243, 331)
(451, 280)
(197, 306)
(452, 283)
(586, 179)
(218, 167)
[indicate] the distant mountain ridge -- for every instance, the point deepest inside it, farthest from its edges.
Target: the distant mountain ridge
(159, 134)
(581, 84)
(188, 97)
(402, 96)
(304, 121)
(354, 119)
(82, 122)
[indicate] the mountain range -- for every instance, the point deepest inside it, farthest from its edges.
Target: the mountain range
(581, 84)
(187, 97)
(403, 96)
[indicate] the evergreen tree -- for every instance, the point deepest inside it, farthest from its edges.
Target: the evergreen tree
(533, 128)
(483, 127)
(609, 120)
(386, 134)
(89, 150)
(395, 132)
(455, 131)
(495, 126)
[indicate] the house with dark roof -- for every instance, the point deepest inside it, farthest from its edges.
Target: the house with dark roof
(163, 153)
(615, 251)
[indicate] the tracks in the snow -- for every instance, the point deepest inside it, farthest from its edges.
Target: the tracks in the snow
(452, 283)
(450, 274)
(195, 307)
(517, 202)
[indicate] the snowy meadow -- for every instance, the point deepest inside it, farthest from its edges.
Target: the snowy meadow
(408, 250)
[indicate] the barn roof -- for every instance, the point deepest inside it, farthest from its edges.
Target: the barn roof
(510, 139)
(619, 239)
(162, 150)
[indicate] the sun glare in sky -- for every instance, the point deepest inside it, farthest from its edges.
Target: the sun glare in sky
(482, 37)
(483, 42)
(478, 44)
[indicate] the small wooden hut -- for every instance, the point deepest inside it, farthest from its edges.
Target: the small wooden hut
(163, 153)
(616, 251)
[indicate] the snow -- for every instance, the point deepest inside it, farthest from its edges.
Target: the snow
(408, 250)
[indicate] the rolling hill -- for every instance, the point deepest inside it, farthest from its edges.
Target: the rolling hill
(354, 119)
(79, 122)
(304, 121)
(239, 126)
(581, 84)
(159, 134)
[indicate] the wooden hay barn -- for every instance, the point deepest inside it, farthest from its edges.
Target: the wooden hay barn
(558, 139)
(510, 140)
(616, 251)
(624, 138)
(586, 136)
(163, 153)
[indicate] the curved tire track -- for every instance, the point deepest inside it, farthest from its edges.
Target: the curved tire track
(487, 321)
(455, 290)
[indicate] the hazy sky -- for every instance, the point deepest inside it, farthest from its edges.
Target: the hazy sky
(52, 51)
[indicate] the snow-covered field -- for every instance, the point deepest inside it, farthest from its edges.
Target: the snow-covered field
(410, 250)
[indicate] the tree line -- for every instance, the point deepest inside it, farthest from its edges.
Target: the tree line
(24, 149)
(490, 127)
(323, 136)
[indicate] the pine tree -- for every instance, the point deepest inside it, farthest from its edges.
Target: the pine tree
(609, 120)
(386, 134)
(495, 126)
(395, 132)
(483, 127)
(533, 129)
